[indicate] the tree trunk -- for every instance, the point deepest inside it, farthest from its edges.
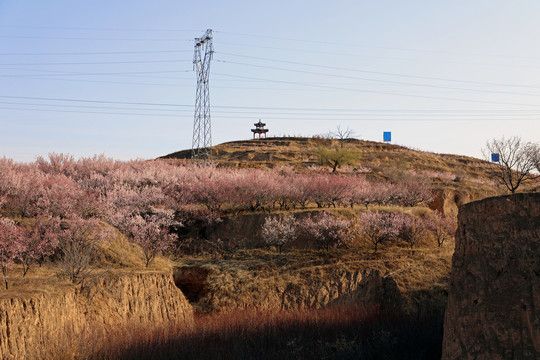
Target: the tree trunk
(4, 273)
(25, 268)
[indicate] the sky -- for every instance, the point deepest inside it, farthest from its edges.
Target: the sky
(116, 77)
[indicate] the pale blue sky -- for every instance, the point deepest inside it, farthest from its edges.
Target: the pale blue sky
(115, 77)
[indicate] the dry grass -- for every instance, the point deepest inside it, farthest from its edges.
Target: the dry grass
(303, 152)
(39, 280)
(334, 333)
(116, 254)
(258, 277)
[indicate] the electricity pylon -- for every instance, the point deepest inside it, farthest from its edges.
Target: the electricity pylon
(202, 135)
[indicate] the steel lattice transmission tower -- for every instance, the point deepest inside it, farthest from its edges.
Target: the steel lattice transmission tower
(202, 135)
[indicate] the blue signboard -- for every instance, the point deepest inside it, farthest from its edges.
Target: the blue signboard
(387, 136)
(495, 157)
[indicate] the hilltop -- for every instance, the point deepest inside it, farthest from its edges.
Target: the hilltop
(301, 152)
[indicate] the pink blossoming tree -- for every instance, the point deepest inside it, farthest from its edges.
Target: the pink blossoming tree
(279, 231)
(38, 242)
(152, 234)
(326, 230)
(442, 227)
(378, 227)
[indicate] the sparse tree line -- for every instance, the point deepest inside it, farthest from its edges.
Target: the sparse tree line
(377, 228)
(59, 207)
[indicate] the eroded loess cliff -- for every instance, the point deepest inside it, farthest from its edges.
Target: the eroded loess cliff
(212, 291)
(28, 324)
(494, 299)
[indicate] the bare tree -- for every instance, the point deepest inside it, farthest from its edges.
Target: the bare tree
(342, 134)
(515, 161)
(534, 154)
(78, 241)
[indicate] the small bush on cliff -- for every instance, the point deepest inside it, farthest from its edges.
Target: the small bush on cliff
(279, 231)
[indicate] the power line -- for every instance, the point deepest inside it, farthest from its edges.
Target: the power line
(259, 36)
(359, 112)
(54, 77)
(377, 47)
(375, 80)
(385, 93)
(91, 101)
(96, 53)
(344, 54)
(34, 77)
(382, 73)
(93, 28)
(87, 38)
(370, 118)
(97, 63)
(258, 108)
(88, 112)
(90, 107)
(71, 73)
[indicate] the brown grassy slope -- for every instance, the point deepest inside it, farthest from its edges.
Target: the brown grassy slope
(302, 152)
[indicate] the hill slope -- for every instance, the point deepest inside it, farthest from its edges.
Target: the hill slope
(457, 179)
(303, 152)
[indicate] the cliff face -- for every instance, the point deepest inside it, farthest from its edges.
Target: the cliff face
(494, 299)
(365, 288)
(28, 324)
(309, 291)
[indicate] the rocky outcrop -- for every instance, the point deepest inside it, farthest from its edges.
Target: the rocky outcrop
(366, 288)
(494, 298)
(447, 201)
(310, 290)
(30, 323)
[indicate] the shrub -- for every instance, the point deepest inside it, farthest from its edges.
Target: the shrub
(410, 228)
(279, 231)
(443, 228)
(152, 234)
(378, 227)
(326, 230)
(38, 241)
(77, 241)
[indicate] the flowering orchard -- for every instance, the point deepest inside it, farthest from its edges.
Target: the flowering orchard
(57, 199)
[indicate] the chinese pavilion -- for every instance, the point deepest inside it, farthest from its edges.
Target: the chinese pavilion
(259, 129)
